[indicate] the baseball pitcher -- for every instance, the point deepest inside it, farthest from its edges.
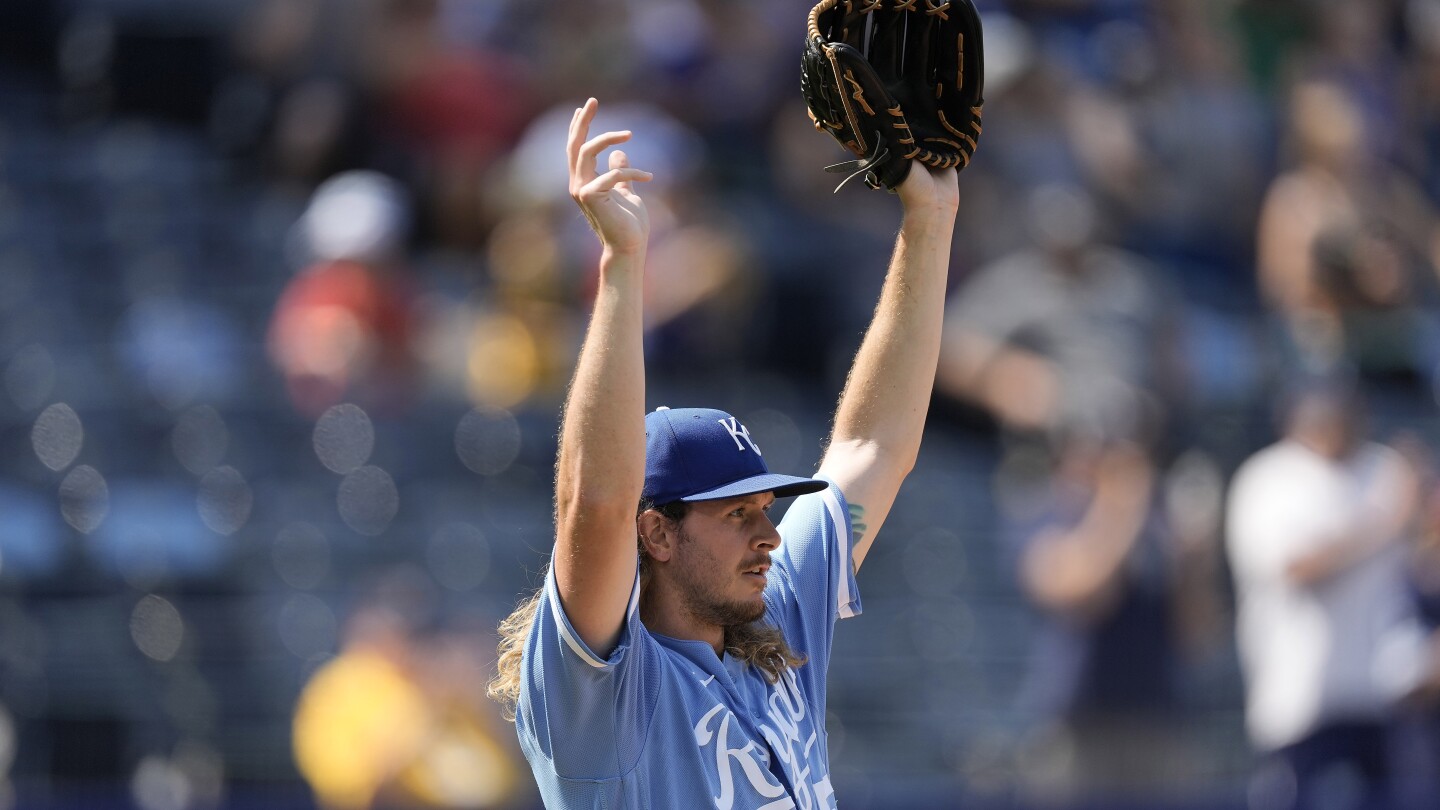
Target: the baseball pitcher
(675, 656)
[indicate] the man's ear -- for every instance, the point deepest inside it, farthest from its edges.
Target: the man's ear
(657, 535)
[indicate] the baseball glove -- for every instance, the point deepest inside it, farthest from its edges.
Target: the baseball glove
(895, 81)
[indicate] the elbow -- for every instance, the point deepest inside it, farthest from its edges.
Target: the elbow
(892, 459)
(578, 505)
(903, 462)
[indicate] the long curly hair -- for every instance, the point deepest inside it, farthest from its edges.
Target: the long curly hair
(756, 643)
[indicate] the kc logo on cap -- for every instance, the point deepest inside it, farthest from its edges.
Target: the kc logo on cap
(701, 454)
(738, 432)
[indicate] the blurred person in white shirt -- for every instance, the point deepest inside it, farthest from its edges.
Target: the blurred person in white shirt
(1324, 626)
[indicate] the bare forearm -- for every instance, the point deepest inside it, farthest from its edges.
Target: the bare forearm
(1380, 529)
(1017, 385)
(602, 461)
(602, 442)
(1076, 573)
(888, 391)
(1319, 566)
(881, 415)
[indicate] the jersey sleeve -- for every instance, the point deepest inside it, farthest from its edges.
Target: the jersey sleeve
(585, 712)
(813, 575)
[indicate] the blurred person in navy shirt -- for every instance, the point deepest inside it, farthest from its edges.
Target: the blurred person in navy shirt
(1106, 567)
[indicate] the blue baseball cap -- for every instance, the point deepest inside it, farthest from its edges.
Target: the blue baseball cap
(701, 454)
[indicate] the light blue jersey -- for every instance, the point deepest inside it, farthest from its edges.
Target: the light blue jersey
(664, 723)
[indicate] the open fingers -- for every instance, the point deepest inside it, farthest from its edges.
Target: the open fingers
(579, 130)
(620, 160)
(614, 178)
(585, 161)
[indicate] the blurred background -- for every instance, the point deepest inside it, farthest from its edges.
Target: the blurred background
(290, 291)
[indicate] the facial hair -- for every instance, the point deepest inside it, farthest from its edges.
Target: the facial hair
(703, 579)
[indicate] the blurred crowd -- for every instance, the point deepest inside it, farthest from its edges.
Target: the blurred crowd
(290, 290)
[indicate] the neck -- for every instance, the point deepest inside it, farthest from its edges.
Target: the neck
(663, 612)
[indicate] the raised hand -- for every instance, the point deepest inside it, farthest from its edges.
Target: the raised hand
(614, 210)
(927, 189)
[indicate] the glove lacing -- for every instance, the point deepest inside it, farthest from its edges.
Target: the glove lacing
(860, 166)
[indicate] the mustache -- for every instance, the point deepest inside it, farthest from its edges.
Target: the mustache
(758, 560)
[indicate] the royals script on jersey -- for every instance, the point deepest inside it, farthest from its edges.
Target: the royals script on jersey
(663, 722)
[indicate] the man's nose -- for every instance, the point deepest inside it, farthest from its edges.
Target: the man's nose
(768, 537)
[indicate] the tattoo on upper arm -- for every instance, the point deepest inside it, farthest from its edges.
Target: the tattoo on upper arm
(857, 524)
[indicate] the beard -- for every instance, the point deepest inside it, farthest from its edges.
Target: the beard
(703, 579)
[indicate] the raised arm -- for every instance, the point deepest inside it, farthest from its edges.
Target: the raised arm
(1076, 572)
(881, 416)
(601, 466)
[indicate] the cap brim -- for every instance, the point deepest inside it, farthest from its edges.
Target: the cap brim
(784, 486)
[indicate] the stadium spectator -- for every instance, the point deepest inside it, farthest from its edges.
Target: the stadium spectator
(1339, 184)
(342, 327)
(1069, 335)
(1315, 541)
(399, 719)
(1114, 581)
(1384, 301)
